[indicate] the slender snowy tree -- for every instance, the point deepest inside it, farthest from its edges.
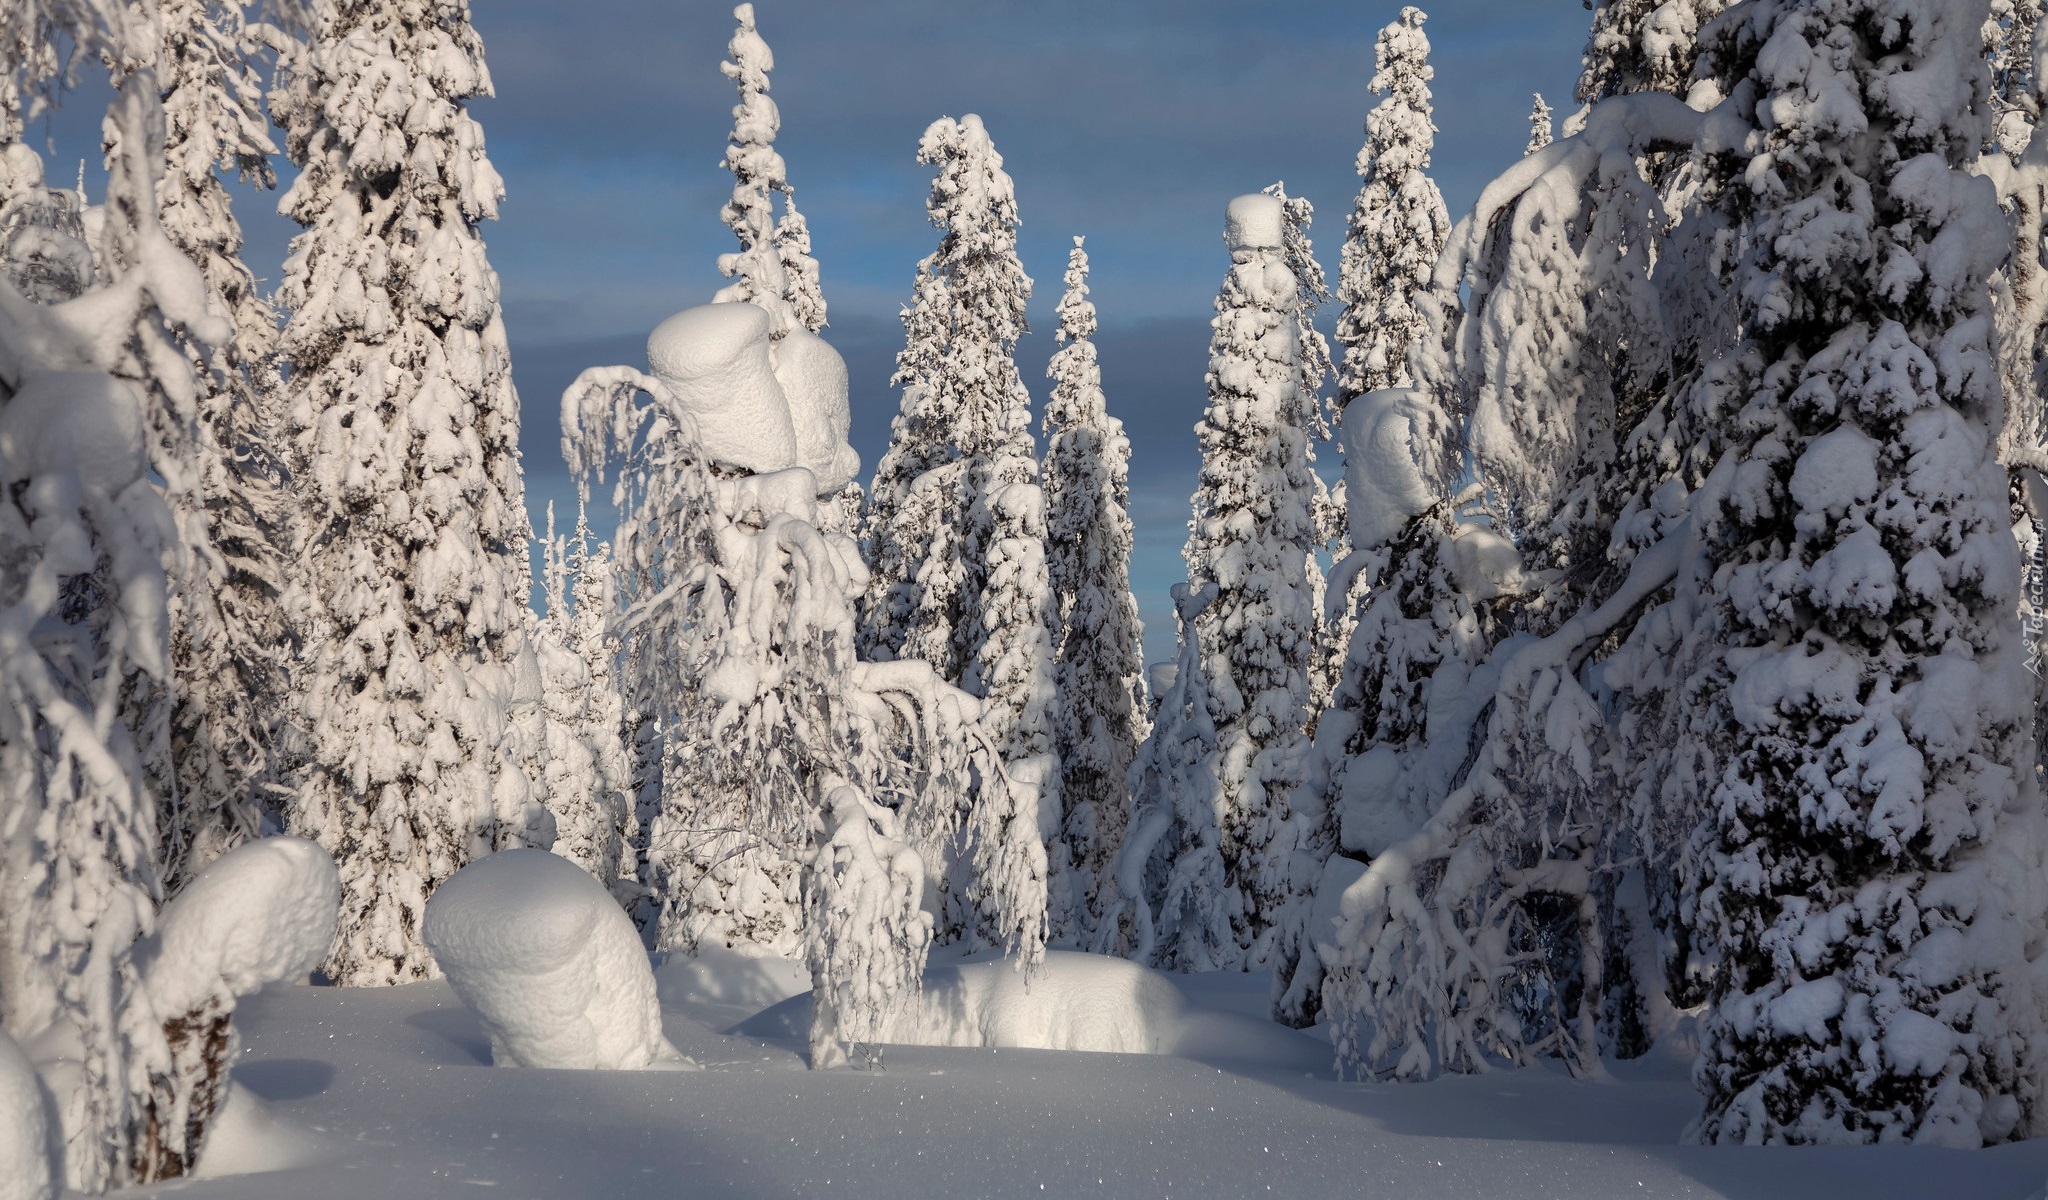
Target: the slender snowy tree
(230, 634)
(1161, 906)
(1540, 129)
(1866, 706)
(957, 523)
(580, 764)
(761, 270)
(1251, 535)
(404, 429)
(1398, 226)
(1099, 678)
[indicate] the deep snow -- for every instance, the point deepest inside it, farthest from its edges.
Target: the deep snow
(389, 1093)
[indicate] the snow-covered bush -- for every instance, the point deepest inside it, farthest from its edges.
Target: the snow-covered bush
(866, 933)
(261, 913)
(550, 965)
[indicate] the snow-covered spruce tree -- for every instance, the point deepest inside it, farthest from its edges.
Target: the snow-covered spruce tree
(1640, 46)
(1099, 678)
(1160, 907)
(1312, 415)
(1867, 701)
(1540, 127)
(1251, 535)
(404, 435)
(957, 519)
(580, 763)
(231, 638)
(85, 636)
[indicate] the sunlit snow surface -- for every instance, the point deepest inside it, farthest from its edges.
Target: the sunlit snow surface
(388, 1094)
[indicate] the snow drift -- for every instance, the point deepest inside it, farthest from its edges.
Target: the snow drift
(1073, 1001)
(550, 965)
(29, 1163)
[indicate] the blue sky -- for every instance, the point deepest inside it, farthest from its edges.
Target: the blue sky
(1130, 122)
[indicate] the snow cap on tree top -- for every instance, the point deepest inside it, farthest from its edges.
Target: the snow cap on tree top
(1255, 222)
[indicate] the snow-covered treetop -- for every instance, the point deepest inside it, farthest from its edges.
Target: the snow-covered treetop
(757, 174)
(1397, 226)
(1539, 126)
(1076, 311)
(974, 201)
(1642, 46)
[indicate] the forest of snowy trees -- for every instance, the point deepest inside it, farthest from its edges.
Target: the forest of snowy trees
(1661, 659)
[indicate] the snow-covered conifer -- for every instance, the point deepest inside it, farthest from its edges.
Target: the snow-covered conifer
(1252, 535)
(580, 766)
(957, 519)
(404, 429)
(1163, 907)
(757, 269)
(1540, 128)
(84, 719)
(230, 633)
(866, 932)
(793, 247)
(1398, 226)
(1099, 679)
(1641, 46)
(1865, 707)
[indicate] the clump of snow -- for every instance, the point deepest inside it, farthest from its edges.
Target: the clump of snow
(262, 913)
(549, 963)
(85, 418)
(1255, 222)
(29, 1163)
(1384, 485)
(246, 1138)
(714, 360)
(813, 379)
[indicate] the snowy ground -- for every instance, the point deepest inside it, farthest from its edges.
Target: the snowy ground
(388, 1094)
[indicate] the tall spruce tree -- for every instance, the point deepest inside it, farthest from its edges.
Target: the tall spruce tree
(1866, 706)
(1252, 533)
(404, 429)
(1099, 676)
(231, 637)
(957, 518)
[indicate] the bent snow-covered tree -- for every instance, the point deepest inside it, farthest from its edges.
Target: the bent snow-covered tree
(404, 439)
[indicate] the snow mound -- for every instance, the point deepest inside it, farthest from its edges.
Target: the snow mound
(714, 359)
(1384, 488)
(549, 963)
(1084, 1002)
(87, 419)
(262, 913)
(1255, 222)
(28, 1156)
(813, 379)
(246, 1138)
